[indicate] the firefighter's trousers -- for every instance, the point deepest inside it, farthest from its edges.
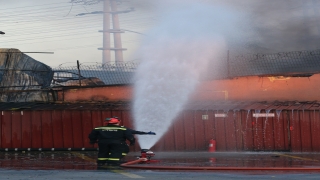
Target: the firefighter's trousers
(110, 152)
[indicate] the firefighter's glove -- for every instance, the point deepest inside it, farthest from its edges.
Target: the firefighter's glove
(92, 142)
(151, 133)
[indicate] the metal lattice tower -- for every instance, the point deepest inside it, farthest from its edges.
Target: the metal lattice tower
(110, 11)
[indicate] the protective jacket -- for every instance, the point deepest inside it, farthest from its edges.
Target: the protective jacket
(111, 134)
(111, 141)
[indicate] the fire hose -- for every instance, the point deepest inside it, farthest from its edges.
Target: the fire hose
(147, 154)
(131, 165)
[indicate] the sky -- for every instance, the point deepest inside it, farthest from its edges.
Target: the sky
(53, 26)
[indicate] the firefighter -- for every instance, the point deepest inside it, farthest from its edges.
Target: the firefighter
(111, 141)
(126, 147)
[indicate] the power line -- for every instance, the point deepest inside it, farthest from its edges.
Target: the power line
(77, 47)
(50, 37)
(51, 29)
(32, 14)
(68, 26)
(44, 37)
(45, 30)
(60, 40)
(65, 31)
(125, 22)
(43, 10)
(31, 6)
(80, 21)
(69, 11)
(13, 15)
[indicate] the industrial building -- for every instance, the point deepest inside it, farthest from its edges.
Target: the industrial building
(257, 103)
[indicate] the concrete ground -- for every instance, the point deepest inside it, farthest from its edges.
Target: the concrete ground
(238, 165)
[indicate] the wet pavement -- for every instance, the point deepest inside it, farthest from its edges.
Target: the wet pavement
(82, 165)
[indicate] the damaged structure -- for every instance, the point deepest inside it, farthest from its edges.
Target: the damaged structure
(23, 79)
(257, 103)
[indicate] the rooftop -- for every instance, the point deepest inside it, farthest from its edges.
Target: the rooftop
(125, 105)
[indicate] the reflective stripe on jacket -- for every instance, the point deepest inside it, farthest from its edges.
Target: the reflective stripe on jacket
(111, 134)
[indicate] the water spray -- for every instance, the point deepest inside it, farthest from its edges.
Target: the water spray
(175, 56)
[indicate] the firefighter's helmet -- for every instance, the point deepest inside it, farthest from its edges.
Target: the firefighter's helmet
(112, 120)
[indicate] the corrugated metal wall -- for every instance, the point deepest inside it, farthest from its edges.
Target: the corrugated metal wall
(52, 129)
(192, 130)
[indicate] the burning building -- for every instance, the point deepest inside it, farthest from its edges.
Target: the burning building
(242, 109)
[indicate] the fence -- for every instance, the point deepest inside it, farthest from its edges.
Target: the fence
(26, 75)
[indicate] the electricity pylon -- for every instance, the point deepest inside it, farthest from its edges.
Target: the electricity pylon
(109, 8)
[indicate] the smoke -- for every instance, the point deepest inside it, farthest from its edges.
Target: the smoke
(175, 56)
(279, 25)
(285, 25)
(191, 35)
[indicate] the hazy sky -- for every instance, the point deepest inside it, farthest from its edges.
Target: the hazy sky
(52, 25)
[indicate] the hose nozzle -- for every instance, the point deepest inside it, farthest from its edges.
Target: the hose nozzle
(146, 153)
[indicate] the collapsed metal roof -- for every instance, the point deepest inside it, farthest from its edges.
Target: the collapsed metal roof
(19, 72)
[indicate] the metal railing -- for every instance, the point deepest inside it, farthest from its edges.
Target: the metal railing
(95, 74)
(26, 75)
